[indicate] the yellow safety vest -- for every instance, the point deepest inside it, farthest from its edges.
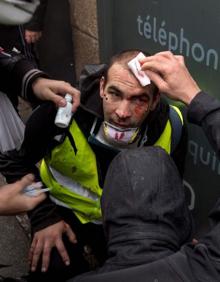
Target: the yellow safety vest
(74, 176)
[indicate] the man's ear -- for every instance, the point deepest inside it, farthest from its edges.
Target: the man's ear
(102, 86)
(155, 102)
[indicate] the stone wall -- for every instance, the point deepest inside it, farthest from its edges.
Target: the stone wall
(85, 33)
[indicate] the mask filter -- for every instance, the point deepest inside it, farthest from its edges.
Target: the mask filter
(118, 135)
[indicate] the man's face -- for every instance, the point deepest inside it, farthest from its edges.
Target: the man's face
(125, 102)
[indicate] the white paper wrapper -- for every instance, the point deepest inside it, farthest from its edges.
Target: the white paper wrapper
(11, 126)
(135, 67)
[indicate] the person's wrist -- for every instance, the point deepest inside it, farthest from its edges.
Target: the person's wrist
(35, 84)
(190, 95)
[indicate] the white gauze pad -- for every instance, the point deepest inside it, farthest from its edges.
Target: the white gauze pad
(135, 67)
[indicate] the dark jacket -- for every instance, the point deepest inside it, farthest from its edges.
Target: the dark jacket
(146, 219)
(37, 21)
(17, 75)
(13, 37)
(204, 111)
(39, 140)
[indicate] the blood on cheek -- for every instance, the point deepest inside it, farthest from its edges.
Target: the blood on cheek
(139, 111)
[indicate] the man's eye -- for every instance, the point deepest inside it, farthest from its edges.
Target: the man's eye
(140, 100)
(113, 93)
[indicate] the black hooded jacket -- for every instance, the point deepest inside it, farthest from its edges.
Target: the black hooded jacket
(146, 219)
(145, 215)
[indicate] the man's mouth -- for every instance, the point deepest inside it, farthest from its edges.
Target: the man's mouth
(120, 124)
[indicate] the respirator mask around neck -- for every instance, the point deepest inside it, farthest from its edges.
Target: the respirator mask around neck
(119, 135)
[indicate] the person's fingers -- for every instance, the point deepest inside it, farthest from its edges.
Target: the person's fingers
(33, 39)
(195, 241)
(165, 54)
(28, 39)
(31, 202)
(70, 234)
(35, 254)
(157, 79)
(32, 36)
(180, 59)
(154, 66)
(38, 35)
(25, 181)
(162, 61)
(46, 256)
(76, 98)
(34, 201)
(62, 251)
(55, 90)
(49, 94)
(64, 88)
(31, 250)
(159, 58)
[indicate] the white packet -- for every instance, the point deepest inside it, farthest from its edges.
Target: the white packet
(135, 67)
(35, 189)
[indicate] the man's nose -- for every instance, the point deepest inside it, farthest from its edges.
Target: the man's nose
(123, 110)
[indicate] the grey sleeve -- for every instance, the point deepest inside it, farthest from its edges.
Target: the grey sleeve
(204, 110)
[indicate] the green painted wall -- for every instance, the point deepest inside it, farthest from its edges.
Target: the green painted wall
(189, 28)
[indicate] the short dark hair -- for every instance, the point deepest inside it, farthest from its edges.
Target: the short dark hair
(123, 58)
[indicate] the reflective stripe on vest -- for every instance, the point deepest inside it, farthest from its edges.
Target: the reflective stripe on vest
(74, 176)
(165, 138)
(178, 112)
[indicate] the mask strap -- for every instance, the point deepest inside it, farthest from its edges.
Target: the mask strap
(93, 126)
(145, 138)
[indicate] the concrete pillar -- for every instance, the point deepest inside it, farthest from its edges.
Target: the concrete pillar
(85, 33)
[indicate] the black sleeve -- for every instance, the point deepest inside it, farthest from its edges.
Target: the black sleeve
(23, 75)
(39, 132)
(17, 75)
(37, 21)
(38, 138)
(45, 214)
(203, 257)
(204, 110)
